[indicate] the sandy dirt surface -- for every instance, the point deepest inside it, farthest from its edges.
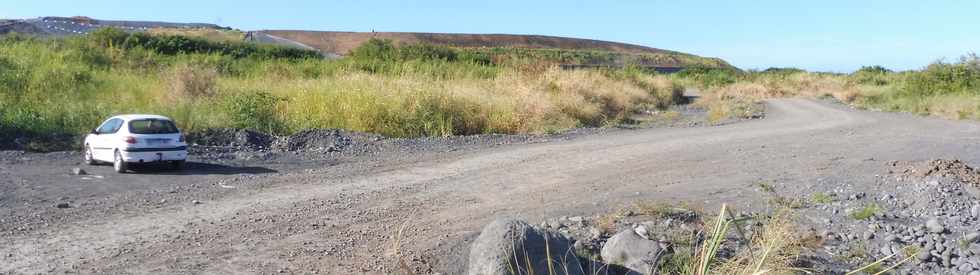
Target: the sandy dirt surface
(357, 215)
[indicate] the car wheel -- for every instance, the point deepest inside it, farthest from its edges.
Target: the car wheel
(119, 164)
(88, 156)
(177, 164)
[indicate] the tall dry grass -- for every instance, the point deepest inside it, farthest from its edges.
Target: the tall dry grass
(418, 105)
(188, 82)
(69, 85)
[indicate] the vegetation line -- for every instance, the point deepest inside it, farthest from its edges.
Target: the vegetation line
(52, 90)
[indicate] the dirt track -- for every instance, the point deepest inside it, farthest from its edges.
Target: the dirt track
(342, 217)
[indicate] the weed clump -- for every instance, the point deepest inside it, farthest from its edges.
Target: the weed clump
(866, 212)
(257, 111)
(821, 198)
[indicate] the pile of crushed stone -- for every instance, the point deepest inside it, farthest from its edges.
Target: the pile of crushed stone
(326, 140)
(315, 140)
(924, 214)
(938, 168)
(226, 137)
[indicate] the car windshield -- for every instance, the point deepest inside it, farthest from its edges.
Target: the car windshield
(152, 126)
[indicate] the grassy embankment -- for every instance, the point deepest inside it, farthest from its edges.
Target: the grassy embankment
(67, 86)
(63, 87)
(943, 89)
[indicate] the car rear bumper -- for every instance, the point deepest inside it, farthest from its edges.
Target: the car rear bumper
(143, 155)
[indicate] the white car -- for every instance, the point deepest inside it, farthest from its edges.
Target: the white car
(127, 139)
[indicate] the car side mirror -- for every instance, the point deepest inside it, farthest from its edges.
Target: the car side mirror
(95, 131)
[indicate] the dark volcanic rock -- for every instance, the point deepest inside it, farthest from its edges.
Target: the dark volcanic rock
(241, 138)
(508, 245)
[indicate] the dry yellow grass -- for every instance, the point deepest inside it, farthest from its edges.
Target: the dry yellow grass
(737, 100)
(188, 82)
(412, 105)
(772, 249)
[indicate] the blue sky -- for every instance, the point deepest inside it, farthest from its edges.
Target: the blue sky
(829, 35)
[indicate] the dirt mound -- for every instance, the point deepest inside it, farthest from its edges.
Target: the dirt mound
(938, 168)
(326, 140)
(240, 138)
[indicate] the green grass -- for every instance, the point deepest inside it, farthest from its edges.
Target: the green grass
(866, 212)
(821, 198)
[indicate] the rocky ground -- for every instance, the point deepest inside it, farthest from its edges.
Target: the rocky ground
(917, 218)
(40, 191)
(332, 202)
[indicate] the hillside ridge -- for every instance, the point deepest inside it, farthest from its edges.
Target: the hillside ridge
(339, 43)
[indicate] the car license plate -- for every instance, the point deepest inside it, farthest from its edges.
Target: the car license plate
(157, 141)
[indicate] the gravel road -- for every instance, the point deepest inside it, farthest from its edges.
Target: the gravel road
(360, 215)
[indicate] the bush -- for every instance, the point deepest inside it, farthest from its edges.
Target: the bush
(175, 44)
(876, 69)
(943, 78)
(427, 52)
(386, 50)
(872, 75)
(710, 77)
(256, 111)
(375, 49)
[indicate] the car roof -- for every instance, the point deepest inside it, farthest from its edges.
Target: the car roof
(141, 116)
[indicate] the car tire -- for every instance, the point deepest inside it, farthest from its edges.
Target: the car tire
(178, 164)
(119, 164)
(89, 159)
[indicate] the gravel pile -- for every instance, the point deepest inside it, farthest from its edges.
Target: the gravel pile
(235, 138)
(328, 140)
(318, 144)
(924, 215)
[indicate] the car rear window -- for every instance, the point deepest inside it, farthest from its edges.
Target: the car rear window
(152, 126)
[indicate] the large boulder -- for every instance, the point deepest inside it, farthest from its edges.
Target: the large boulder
(631, 251)
(513, 247)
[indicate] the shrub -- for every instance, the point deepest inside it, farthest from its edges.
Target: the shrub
(386, 50)
(255, 111)
(872, 75)
(176, 44)
(709, 76)
(942, 78)
(427, 52)
(876, 69)
(375, 49)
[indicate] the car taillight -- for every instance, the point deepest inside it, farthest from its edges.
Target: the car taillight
(130, 140)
